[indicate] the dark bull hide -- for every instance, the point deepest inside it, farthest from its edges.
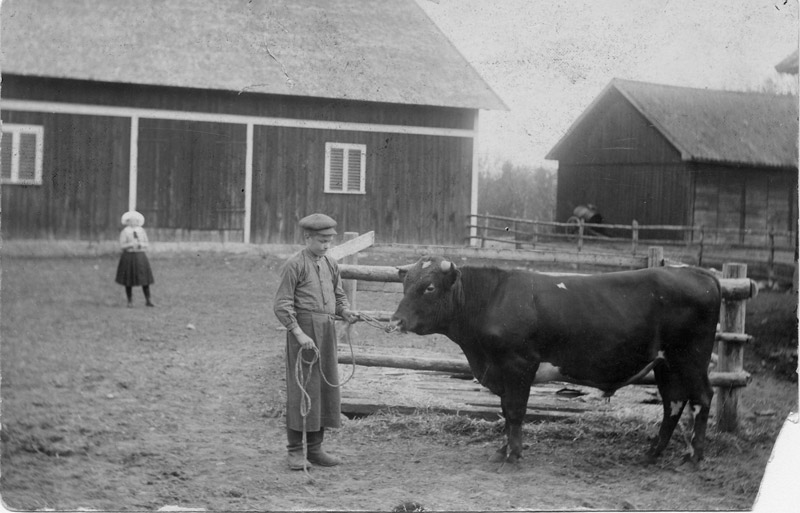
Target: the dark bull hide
(604, 331)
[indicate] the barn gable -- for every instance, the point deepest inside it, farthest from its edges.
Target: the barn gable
(725, 127)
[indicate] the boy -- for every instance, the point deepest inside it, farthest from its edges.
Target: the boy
(309, 295)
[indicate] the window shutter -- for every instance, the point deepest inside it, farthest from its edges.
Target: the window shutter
(354, 170)
(336, 177)
(27, 157)
(5, 156)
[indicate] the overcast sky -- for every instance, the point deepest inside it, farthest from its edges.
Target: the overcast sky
(548, 59)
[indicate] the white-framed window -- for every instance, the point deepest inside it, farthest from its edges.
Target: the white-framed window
(345, 168)
(21, 154)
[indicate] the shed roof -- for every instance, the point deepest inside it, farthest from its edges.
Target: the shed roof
(734, 127)
(789, 64)
(369, 50)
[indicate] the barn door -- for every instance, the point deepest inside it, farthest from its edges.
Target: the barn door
(191, 178)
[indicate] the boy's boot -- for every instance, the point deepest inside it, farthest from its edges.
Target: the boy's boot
(316, 454)
(296, 459)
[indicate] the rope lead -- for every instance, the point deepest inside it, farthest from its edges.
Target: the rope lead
(302, 381)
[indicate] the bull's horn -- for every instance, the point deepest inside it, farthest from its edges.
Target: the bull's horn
(446, 265)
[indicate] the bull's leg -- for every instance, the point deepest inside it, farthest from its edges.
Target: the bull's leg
(701, 405)
(515, 403)
(672, 414)
(673, 401)
(500, 454)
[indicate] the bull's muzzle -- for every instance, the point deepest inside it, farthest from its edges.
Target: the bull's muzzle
(395, 324)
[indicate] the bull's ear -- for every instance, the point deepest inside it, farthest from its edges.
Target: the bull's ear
(402, 271)
(451, 272)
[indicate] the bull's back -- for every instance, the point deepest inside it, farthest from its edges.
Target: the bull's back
(601, 328)
(619, 322)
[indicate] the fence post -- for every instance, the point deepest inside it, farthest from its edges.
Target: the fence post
(730, 353)
(771, 258)
(635, 235)
(700, 251)
(655, 256)
(580, 234)
(350, 286)
(485, 229)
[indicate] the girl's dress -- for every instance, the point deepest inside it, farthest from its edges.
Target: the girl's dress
(134, 267)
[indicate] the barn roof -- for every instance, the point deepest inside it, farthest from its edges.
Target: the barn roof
(709, 125)
(789, 64)
(368, 50)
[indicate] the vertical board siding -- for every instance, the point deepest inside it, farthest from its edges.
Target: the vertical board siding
(745, 199)
(84, 188)
(417, 187)
(618, 134)
(624, 193)
(191, 175)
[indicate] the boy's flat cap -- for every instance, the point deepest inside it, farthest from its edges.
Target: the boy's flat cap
(320, 223)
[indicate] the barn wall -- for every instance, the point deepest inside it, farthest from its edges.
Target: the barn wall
(247, 104)
(742, 199)
(84, 188)
(616, 160)
(417, 187)
(191, 174)
(645, 193)
(191, 179)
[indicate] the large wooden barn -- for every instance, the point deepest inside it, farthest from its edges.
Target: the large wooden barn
(662, 154)
(232, 120)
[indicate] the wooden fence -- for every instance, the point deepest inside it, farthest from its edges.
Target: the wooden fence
(695, 240)
(728, 378)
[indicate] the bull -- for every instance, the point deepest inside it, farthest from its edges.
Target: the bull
(604, 331)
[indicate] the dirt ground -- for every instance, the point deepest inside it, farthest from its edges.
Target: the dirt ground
(110, 408)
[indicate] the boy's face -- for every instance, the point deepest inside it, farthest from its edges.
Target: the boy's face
(318, 244)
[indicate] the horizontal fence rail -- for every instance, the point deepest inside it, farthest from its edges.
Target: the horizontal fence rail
(731, 288)
(774, 249)
(490, 228)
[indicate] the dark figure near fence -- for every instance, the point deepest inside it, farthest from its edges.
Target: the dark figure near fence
(605, 331)
(134, 269)
(309, 296)
(589, 214)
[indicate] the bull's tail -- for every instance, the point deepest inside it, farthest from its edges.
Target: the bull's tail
(608, 392)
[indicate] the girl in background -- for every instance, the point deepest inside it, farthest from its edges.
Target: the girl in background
(134, 267)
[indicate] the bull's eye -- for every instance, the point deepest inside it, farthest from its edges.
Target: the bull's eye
(430, 288)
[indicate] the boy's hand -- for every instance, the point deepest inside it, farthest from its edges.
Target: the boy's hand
(304, 340)
(349, 316)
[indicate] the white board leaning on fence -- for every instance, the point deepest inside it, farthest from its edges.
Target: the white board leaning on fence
(352, 246)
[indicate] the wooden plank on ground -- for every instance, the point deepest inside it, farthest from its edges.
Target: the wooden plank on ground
(376, 389)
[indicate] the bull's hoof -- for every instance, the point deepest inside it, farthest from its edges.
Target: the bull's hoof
(649, 458)
(510, 465)
(499, 456)
(692, 459)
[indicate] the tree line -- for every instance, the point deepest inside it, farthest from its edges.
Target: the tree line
(517, 191)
